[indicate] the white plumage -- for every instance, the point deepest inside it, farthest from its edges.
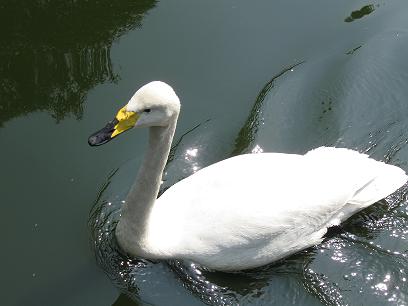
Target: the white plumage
(253, 209)
(245, 211)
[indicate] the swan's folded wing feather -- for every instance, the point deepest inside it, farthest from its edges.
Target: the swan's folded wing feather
(262, 206)
(242, 203)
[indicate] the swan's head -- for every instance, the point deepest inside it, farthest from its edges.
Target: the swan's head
(154, 104)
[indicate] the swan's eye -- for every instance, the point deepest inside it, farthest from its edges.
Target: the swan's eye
(147, 110)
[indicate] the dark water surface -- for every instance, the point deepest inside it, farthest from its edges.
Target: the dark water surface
(255, 76)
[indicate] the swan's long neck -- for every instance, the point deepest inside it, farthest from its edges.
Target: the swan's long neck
(132, 226)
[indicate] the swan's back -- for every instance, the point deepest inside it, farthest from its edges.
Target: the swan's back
(256, 208)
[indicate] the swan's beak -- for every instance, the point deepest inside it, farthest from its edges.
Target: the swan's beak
(123, 121)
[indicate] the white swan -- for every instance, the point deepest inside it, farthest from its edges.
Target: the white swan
(242, 212)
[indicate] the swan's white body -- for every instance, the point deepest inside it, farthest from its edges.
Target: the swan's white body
(245, 211)
(253, 209)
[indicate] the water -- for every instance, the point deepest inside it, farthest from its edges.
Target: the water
(274, 76)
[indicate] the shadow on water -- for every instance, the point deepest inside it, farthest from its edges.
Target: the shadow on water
(124, 300)
(51, 68)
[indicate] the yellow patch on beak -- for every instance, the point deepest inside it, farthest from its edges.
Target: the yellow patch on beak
(126, 120)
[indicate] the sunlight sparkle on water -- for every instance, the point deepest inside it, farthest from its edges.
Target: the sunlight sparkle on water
(257, 149)
(192, 152)
(189, 155)
(381, 287)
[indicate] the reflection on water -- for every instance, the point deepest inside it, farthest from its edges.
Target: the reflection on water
(53, 52)
(365, 10)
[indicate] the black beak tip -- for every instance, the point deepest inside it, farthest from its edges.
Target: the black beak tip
(98, 139)
(102, 136)
(93, 141)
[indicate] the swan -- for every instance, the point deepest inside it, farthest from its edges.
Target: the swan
(242, 212)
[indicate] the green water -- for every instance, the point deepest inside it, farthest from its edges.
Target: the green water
(66, 68)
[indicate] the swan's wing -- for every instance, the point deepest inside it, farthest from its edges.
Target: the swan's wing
(251, 202)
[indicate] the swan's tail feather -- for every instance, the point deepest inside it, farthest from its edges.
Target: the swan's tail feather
(388, 180)
(373, 180)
